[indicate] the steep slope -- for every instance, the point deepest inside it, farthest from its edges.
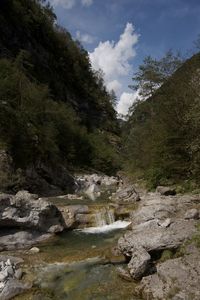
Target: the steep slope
(55, 110)
(161, 138)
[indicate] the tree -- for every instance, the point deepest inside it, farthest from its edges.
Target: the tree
(153, 73)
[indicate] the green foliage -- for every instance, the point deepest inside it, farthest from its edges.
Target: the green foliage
(56, 60)
(161, 137)
(105, 156)
(153, 73)
(53, 106)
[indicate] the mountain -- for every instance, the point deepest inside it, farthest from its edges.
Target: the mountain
(161, 137)
(55, 110)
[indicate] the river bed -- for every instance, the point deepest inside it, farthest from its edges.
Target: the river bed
(78, 264)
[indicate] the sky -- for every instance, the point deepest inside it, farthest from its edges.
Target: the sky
(118, 34)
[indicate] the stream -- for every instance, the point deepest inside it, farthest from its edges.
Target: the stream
(79, 264)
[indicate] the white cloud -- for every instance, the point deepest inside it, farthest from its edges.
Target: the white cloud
(87, 2)
(114, 85)
(125, 102)
(113, 58)
(68, 4)
(84, 37)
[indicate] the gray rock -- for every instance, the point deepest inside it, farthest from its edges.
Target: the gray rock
(139, 263)
(25, 195)
(192, 214)
(166, 223)
(124, 274)
(12, 288)
(34, 250)
(166, 191)
(151, 237)
(12, 240)
(175, 279)
(18, 274)
(70, 214)
(26, 212)
(126, 195)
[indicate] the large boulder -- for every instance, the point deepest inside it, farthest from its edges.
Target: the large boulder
(166, 191)
(26, 211)
(73, 215)
(10, 286)
(126, 195)
(152, 238)
(12, 239)
(176, 279)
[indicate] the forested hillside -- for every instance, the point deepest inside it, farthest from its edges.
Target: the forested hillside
(161, 137)
(54, 108)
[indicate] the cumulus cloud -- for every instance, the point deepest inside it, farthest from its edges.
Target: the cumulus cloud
(113, 58)
(68, 4)
(125, 102)
(84, 37)
(114, 85)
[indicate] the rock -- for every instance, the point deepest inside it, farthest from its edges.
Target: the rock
(25, 195)
(175, 279)
(12, 240)
(18, 274)
(71, 214)
(10, 270)
(3, 276)
(13, 260)
(192, 214)
(166, 223)
(34, 250)
(126, 195)
(24, 211)
(166, 191)
(12, 288)
(139, 263)
(86, 180)
(154, 238)
(124, 274)
(49, 179)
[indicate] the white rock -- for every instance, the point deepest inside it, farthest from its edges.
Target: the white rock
(164, 223)
(34, 250)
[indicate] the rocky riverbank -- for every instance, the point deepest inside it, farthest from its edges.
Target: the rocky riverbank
(161, 248)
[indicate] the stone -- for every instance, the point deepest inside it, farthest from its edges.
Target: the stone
(12, 239)
(126, 195)
(13, 288)
(139, 263)
(18, 274)
(26, 211)
(166, 191)
(175, 279)
(192, 214)
(25, 195)
(124, 274)
(166, 223)
(34, 250)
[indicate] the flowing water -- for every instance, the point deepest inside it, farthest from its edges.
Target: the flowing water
(78, 265)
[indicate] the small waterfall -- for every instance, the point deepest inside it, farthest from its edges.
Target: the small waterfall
(104, 216)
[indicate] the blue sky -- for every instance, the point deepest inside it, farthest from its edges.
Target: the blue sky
(118, 34)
